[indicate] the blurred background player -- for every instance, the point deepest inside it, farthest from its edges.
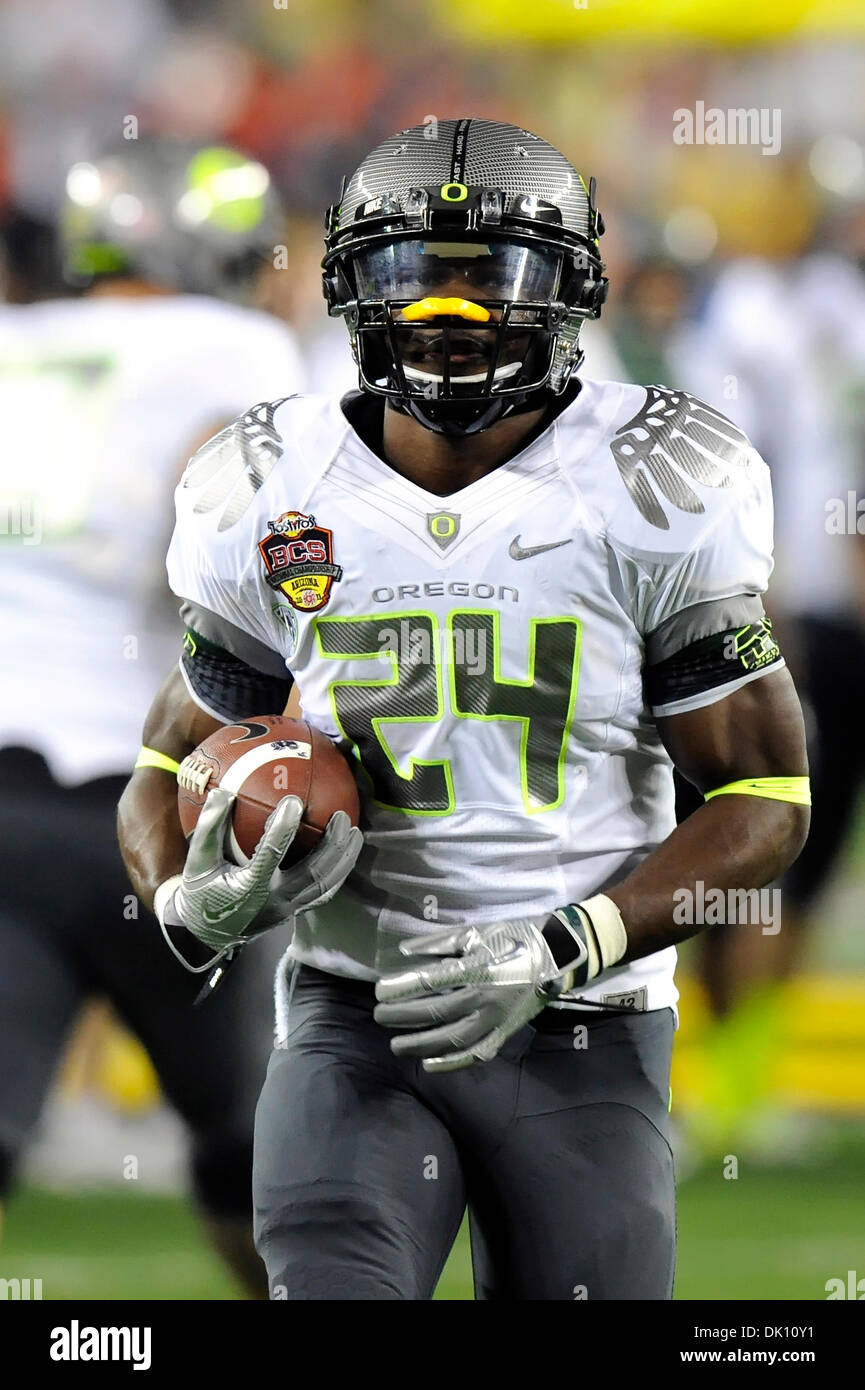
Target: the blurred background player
(328, 367)
(784, 342)
(103, 398)
(736, 338)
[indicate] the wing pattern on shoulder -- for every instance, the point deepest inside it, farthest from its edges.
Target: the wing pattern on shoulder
(234, 464)
(673, 437)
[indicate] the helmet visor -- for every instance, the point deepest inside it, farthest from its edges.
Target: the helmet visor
(477, 271)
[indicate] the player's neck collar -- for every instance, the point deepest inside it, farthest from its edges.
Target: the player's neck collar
(365, 414)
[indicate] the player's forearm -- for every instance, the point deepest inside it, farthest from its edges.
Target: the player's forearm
(148, 824)
(732, 842)
(151, 840)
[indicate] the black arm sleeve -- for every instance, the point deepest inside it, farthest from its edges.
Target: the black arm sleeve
(706, 652)
(228, 673)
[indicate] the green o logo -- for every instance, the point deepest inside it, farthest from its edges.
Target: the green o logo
(443, 525)
(450, 196)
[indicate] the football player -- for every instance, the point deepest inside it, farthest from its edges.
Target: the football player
(102, 400)
(518, 600)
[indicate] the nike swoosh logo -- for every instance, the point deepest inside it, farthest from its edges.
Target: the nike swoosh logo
(518, 552)
(253, 730)
(216, 917)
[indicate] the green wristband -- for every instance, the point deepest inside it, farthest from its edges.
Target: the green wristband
(795, 789)
(151, 757)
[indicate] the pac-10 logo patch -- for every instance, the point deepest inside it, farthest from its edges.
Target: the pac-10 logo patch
(298, 558)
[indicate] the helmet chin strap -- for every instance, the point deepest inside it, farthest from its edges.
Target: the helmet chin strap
(455, 420)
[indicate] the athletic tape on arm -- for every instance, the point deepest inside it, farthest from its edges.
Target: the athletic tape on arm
(794, 789)
(151, 757)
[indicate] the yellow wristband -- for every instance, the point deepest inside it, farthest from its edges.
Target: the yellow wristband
(151, 757)
(795, 789)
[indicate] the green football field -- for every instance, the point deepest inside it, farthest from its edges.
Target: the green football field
(776, 1234)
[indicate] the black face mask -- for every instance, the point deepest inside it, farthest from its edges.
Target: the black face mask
(457, 333)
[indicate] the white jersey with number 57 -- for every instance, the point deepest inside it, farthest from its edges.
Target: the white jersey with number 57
(483, 654)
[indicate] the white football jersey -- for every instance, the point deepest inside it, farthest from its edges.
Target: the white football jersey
(481, 653)
(101, 401)
(798, 395)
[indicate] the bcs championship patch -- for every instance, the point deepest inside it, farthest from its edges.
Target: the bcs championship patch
(298, 557)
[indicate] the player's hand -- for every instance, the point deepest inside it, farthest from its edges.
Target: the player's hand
(213, 899)
(489, 982)
(226, 905)
(317, 877)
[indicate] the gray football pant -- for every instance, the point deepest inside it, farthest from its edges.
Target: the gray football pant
(364, 1164)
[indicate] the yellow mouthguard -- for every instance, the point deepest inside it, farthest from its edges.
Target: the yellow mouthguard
(460, 308)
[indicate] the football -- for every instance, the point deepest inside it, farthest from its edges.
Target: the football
(261, 760)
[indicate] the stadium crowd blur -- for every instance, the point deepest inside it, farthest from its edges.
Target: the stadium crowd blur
(737, 272)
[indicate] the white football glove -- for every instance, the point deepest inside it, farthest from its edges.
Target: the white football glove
(492, 981)
(224, 904)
